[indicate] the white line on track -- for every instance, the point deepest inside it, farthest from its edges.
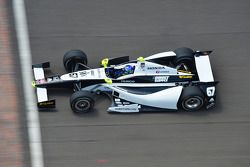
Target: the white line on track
(33, 123)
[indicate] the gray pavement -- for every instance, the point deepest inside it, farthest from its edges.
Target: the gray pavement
(218, 137)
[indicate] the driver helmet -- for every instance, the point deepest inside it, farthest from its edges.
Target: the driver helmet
(128, 69)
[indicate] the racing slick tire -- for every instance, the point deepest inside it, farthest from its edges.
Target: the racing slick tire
(81, 102)
(184, 56)
(72, 58)
(192, 99)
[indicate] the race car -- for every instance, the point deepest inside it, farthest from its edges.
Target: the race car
(172, 80)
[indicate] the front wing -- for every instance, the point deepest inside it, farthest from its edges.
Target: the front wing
(43, 101)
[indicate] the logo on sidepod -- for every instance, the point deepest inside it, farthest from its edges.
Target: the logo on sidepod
(161, 79)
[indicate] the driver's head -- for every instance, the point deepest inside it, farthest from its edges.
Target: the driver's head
(128, 69)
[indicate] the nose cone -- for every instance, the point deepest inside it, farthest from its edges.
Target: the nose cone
(70, 76)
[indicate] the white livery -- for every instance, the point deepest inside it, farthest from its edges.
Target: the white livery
(180, 79)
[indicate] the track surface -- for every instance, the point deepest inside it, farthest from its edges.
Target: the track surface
(219, 137)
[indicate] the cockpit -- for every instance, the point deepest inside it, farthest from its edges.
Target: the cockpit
(116, 72)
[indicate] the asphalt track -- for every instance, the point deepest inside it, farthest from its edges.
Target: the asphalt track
(218, 137)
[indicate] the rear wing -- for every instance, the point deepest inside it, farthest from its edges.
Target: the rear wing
(203, 66)
(206, 78)
(42, 96)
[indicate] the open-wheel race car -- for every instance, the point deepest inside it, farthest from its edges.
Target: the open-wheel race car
(180, 79)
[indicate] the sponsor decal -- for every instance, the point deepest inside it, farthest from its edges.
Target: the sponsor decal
(46, 103)
(161, 78)
(83, 73)
(127, 81)
(124, 108)
(185, 76)
(155, 68)
(158, 72)
(73, 75)
(211, 100)
(210, 105)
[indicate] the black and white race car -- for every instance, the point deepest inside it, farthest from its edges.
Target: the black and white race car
(180, 79)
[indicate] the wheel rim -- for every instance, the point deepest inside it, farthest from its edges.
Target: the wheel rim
(82, 105)
(193, 103)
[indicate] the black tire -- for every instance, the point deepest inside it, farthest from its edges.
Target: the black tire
(186, 56)
(192, 99)
(82, 102)
(72, 57)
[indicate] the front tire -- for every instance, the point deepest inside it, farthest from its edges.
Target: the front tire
(82, 102)
(192, 99)
(72, 58)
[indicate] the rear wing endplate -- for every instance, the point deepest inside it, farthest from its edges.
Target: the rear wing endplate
(203, 66)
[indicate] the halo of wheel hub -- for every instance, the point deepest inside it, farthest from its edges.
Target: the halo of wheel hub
(82, 105)
(193, 103)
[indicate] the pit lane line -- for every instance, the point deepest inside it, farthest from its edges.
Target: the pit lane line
(33, 123)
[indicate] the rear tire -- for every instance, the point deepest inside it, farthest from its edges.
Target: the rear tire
(72, 57)
(82, 102)
(192, 99)
(184, 56)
